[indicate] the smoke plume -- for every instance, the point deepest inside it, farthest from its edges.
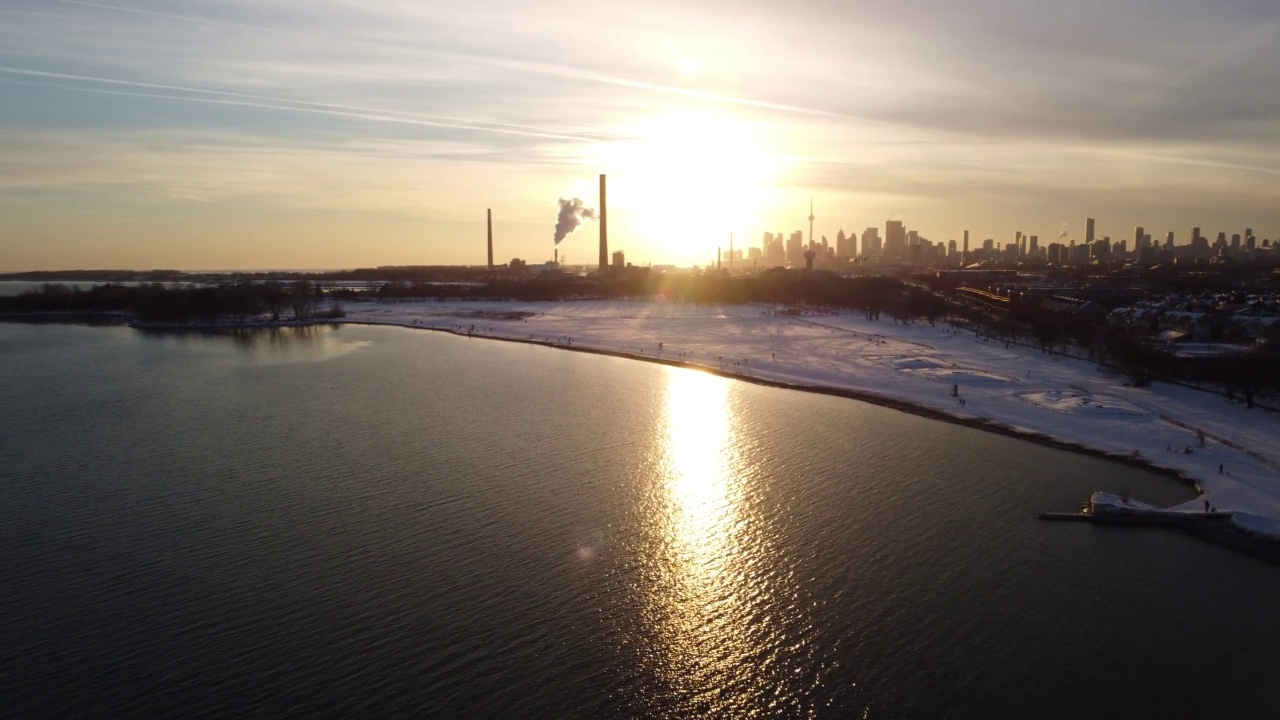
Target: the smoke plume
(571, 214)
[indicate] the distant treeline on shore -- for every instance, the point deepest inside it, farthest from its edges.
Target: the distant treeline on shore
(1143, 360)
(158, 303)
(441, 273)
(301, 299)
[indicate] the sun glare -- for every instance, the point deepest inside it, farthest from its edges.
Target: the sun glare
(687, 180)
(711, 626)
(703, 526)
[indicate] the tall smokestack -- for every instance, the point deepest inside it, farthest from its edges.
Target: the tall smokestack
(489, 215)
(604, 229)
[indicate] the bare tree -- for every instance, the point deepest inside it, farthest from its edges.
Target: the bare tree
(275, 298)
(302, 299)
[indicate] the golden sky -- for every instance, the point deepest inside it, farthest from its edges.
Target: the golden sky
(213, 134)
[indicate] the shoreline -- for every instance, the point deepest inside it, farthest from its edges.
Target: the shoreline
(175, 327)
(907, 406)
(1242, 540)
(892, 403)
(1239, 540)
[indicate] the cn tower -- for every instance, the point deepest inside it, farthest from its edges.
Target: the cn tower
(810, 222)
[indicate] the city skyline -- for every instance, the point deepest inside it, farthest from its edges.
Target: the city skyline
(228, 134)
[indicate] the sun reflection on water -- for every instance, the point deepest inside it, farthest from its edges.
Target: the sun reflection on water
(720, 622)
(703, 494)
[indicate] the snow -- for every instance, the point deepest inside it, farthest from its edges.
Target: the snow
(1105, 502)
(918, 363)
(1064, 398)
(1081, 402)
(1257, 524)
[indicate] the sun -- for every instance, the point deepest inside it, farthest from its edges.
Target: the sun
(686, 180)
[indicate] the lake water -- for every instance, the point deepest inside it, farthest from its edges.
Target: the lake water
(17, 287)
(376, 521)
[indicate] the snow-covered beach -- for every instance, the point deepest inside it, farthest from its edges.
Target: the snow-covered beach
(1229, 451)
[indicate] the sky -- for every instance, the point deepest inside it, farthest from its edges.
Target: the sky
(264, 134)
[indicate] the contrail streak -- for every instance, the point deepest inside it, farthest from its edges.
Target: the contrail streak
(1196, 162)
(277, 103)
(175, 16)
(591, 76)
(314, 111)
(528, 67)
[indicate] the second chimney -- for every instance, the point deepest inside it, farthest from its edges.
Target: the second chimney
(604, 229)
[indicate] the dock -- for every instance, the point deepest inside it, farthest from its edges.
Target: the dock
(1120, 510)
(1120, 518)
(1212, 525)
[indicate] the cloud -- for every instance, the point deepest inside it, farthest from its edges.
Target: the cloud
(355, 175)
(1048, 105)
(288, 105)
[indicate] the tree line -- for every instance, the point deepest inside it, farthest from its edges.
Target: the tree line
(1241, 371)
(1142, 359)
(180, 304)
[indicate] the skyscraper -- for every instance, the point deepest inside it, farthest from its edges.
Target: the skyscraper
(1088, 230)
(1056, 251)
(795, 249)
(774, 254)
(1199, 244)
(895, 238)
(846, 245)
(871, 242)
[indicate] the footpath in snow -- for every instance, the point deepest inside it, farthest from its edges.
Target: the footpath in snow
(1067, 399)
